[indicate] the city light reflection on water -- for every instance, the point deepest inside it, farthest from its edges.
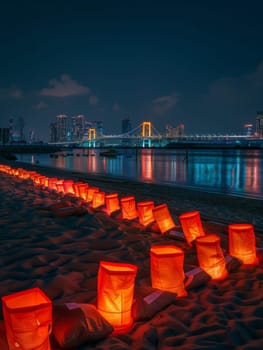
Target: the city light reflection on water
(238, 172)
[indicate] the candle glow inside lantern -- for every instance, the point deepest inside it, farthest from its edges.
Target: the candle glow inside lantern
(28, 319)
(90, 193)
(98, 199)
(145, 212)
(128, 208)
(68, 186)
(52, 183)
(115, 293)
(192, 226)
(83, 190)
(167, 271)
(163, 218)
(112, 203)
(210, 256)
(242, 243)
(60, 186)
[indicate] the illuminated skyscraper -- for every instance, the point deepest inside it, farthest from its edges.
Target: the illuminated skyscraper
(259, 124)
(62, 128)
(98, 125)
(78, 127)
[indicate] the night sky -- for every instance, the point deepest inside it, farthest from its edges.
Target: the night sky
(194, 62)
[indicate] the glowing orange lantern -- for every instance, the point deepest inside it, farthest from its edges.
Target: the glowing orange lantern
(115, 293)
(163, 218)
(112, 203)
(68, 186)
(98, 199)
(90, 193)
(28, 320)
(210, 256)
(60, 186)
(242, 243)
(83, 190)
(76, 188)
(128, 208)
(167, 271)
(52, 183)
(145, 212)
(191, 225)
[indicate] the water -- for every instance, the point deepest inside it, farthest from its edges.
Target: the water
(233, 172)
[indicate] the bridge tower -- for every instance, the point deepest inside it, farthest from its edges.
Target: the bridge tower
(92, 137)
(146, 134)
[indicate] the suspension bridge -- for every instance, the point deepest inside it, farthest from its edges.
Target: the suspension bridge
(146, 135)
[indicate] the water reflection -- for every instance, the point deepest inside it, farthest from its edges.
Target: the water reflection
(227, 171)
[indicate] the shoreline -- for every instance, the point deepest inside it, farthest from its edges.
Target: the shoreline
(216, 207)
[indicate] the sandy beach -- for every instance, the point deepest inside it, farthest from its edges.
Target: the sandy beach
(61, 256)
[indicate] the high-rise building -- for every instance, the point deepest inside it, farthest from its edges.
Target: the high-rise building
(98, 125)
(126, 126)
(171, 131)
(78, 127)
(53, 135)
(62, 128)
(259, 124)
(4, 135)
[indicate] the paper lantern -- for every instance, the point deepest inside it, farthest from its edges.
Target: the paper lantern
(68, 186)
(112, 203)
(242, 243)
(163, 218)
(83, 190)
(52, 183)
(28, 319)
(145, 212)
(191, 225)
(90, 192)
(167, 272)
(128, 208)
(98, 199)
(210, 256)
(76, 188)
(60, 186)
(115, 293)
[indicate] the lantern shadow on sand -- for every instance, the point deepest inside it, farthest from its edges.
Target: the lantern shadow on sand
(28, 319)
(115, 293)
(163, 218)
(191, 225)
(242, 243)
(167, 271)
(210, 256)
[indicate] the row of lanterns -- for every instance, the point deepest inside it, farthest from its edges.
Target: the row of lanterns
(116, 280)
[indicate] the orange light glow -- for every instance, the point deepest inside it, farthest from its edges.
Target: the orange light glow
(28, 319)
(60, 186)
(98, 199)
(163, 218)
(115, 293)
(68, 186)
(128, 208)
(167, 269)
(191, 225)
(242, 243)
(52, 183)
(145, 212)
(90, 193)
(83, 190)
(112, 203)
(210, 256)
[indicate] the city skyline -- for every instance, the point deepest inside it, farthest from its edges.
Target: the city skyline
(169, 62)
